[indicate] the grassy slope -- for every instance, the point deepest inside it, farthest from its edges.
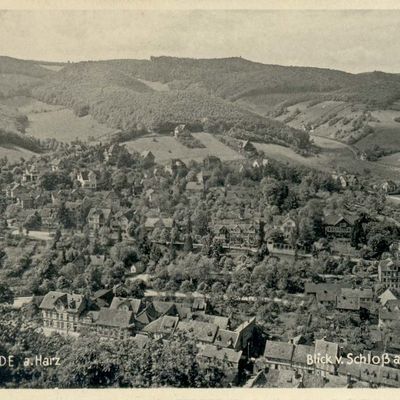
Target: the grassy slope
(166, 148)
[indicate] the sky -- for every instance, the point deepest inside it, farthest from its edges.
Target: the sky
(353, 41)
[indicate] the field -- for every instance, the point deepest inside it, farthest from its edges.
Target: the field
(14, 154)
(166, 148)
(386, 131)
(46, 121)
(333, 156)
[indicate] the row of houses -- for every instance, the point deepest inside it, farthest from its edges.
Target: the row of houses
(326, 360)
(341, 296)
(113, 317)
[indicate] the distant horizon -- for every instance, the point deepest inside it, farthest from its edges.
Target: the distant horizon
(353, 41)
(192, 58)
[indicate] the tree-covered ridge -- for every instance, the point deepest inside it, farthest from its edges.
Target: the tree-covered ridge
(129, 110)
(234, 78)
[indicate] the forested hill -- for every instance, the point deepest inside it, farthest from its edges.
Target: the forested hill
(127, 95)
(233, 78)
(212, 94)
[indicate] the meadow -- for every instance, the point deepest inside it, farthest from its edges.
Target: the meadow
(166, 148)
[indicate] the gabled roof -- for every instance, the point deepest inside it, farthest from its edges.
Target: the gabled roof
(164, 307)
(203, 331)
(147, 315)
(163, 325)
(134, 305)
(71, 301)
(115, 318)
(146, 153)
(278, 350)
(301, 352)
(329, 348)
(153, 222)
(225, 338)
(382, 375)
(349, 303)
(214, 352)
(140, 340)
(335, 219)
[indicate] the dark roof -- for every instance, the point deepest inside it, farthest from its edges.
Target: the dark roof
(278, 350)
(334, 219)
(114, 318)
(328, 348)
(71, 301)
(378, 374)
(165, 325)
(300, 353)
(315, 288)
(210, 351)
(133, 304)
(350, 303)
(226, 338)
(203, 331)
(141, 340)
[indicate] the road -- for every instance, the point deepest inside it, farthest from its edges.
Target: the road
(244, 299)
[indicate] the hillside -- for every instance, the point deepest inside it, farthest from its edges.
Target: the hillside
(264, 103)
(123, 96)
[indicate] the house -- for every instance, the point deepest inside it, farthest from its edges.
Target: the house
(194, 187)
(161, 223)
(236, 232)
(209, 163)
(389, 273)
(49, 217)
(61, 312)
(278, 355)
(181, 130)
(31, 174)
(232, 361)
(127, 304)
(300, 356)
(374, 375)
(120, 221)
(25, 201)
(147, 157)
(328, 361)
(98, 217)
(113, 323)
(102, 298)
(389, 314)
(347, 303)
(162, 327)
(111, 153)
(288, 227)
(339, 226)
(247, 147)
(87, 179)
(15, 190)
(345, 180)
(259, 163)
(389, 186)
(175, 166)
(364, 296)
(389, 294)
(57, 165)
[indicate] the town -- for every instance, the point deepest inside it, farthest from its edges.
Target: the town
(253, 264)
